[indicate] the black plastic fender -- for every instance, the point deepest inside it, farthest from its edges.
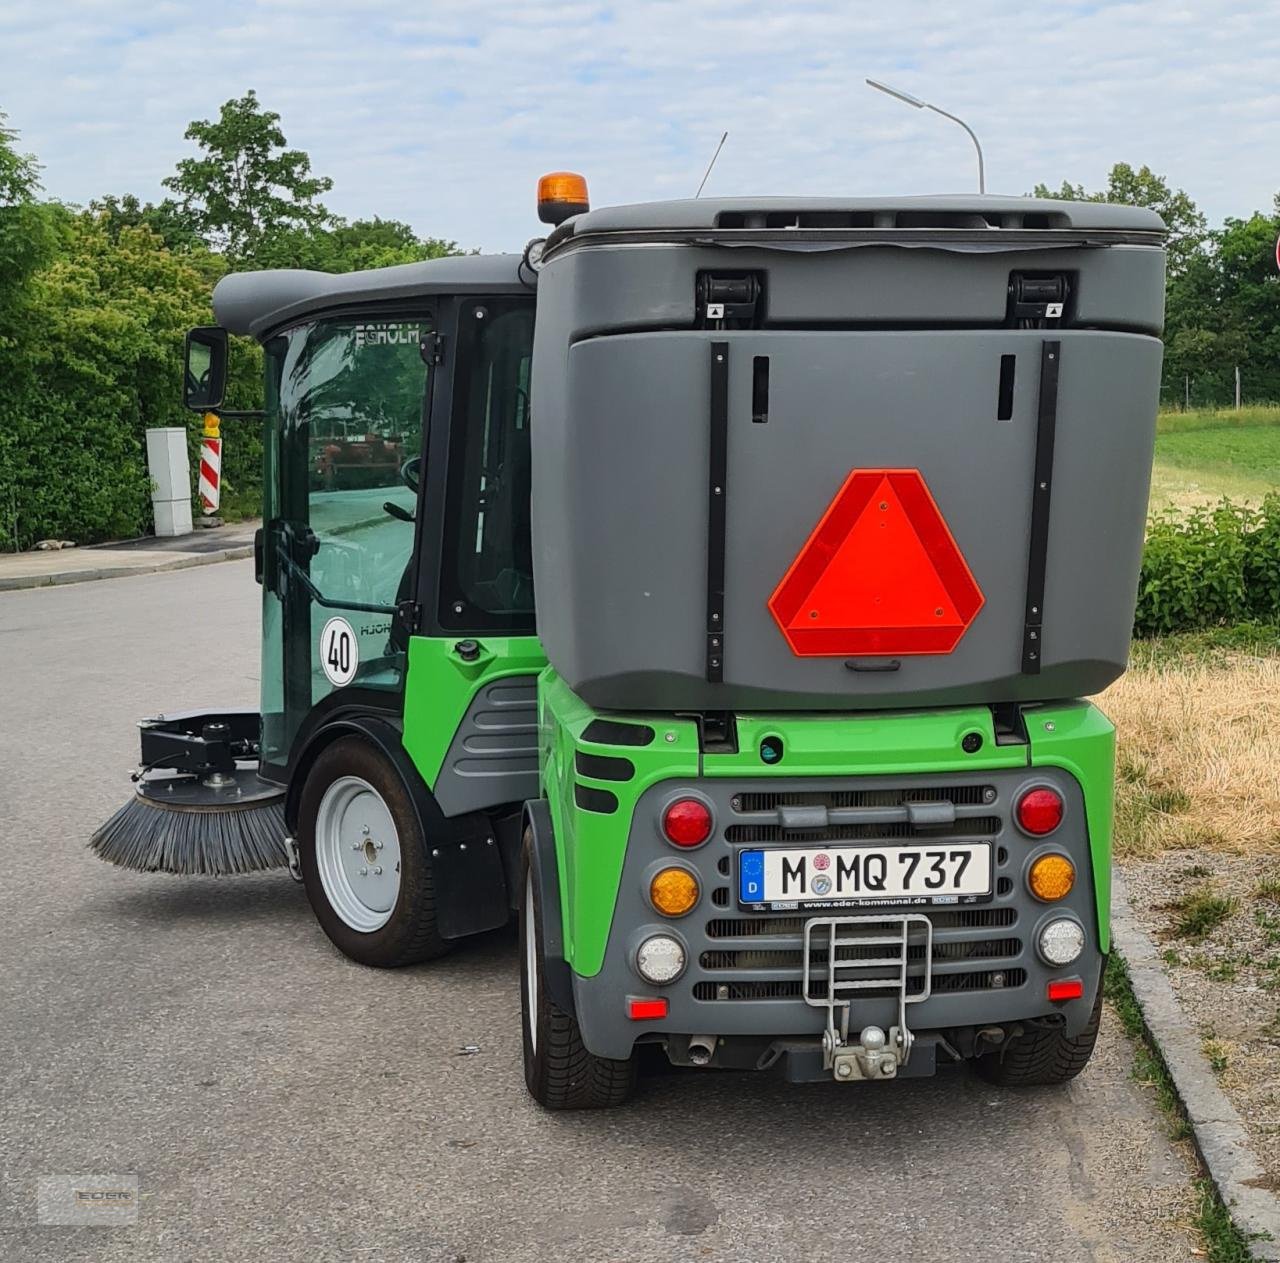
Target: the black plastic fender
(467, 872)
(556, 973)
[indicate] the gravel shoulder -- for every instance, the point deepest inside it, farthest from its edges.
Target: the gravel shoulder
(1215, 917)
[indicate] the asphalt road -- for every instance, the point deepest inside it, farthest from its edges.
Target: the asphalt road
(277, 1102)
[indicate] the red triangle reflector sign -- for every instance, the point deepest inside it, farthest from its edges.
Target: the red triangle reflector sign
(880, 574)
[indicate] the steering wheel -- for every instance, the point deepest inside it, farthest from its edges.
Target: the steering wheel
(409, 476)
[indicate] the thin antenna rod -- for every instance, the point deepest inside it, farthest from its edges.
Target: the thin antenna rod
(711, 164)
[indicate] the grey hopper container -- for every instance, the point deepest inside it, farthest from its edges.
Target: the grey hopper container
(1005, 351)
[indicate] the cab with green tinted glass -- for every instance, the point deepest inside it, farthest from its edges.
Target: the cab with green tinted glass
(399, 661)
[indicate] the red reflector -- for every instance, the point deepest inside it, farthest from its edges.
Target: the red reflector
(1066, 989)
(646, 1010)
(1040, 811)
(687, 822)
(880, 574)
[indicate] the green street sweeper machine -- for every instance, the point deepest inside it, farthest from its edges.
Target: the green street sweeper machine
(833, 510)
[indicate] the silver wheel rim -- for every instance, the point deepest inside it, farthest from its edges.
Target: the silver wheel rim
(358, 854)
(530, 965)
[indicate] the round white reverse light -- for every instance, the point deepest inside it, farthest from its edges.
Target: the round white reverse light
(660, 959)
(1061, 941)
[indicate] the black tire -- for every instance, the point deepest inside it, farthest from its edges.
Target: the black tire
(411, 935)
(558, 1070)
(1042, 1057)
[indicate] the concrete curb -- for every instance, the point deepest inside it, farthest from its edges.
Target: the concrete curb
(1220, 1136)
(15, 583)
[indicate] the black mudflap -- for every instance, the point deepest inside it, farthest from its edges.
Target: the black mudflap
(470, 887)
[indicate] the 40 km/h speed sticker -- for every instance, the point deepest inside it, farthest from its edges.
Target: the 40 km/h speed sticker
(339, 652)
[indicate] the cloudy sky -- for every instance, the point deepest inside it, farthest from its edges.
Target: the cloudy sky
(444, 113)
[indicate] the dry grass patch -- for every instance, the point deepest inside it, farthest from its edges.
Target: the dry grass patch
(1198, 758)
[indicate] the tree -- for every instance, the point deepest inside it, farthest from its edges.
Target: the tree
(380, 243)
(1201, 344)
(1249, 298)
(351, 247)
(19, 172)
(1207, 333)
(1188, 229)
(173, 224)
(247, 187)
(29, 236)
(26, 230)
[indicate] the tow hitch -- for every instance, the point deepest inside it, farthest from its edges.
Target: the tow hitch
(847, 955)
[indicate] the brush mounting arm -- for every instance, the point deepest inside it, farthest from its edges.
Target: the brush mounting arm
(200, 742)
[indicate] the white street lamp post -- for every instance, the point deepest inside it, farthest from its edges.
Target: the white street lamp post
(925, 105)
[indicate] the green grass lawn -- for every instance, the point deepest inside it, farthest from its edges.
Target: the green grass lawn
(1203, 456)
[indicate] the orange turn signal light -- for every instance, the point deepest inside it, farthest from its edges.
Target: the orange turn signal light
(560, 195)
(1051, 877)
(673, 891)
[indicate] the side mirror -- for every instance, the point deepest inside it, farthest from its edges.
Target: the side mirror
(204, 378)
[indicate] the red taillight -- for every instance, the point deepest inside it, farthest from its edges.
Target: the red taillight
(646, 1010)
(1065, 989)
(1039, 811)
(687, 822)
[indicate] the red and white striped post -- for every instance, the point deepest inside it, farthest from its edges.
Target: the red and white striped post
(210, 482)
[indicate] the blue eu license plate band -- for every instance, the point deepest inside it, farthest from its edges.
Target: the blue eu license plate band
(751, 876)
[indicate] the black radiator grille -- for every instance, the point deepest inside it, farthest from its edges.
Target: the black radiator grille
(989, 980)
(979, 981)
(965, 827)
(747, 991)
(942, 918)
(788, 958)
(833, 799)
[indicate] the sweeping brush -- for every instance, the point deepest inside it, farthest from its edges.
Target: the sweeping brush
(213, 826)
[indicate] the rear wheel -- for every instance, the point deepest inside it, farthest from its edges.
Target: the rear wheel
(364, 860)
(1043, 1056)
(558, 1070)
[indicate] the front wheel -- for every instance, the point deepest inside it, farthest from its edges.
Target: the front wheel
(558, 1070)
(364, 860)
(1043, 1057)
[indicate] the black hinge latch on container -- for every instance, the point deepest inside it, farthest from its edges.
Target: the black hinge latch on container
(1039, 298)
(722, 301)
(432, 348)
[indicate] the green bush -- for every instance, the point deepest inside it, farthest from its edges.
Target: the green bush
(1213, 567)
(92, 361)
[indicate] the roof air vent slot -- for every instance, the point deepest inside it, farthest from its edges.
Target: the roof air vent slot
(941, 219)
